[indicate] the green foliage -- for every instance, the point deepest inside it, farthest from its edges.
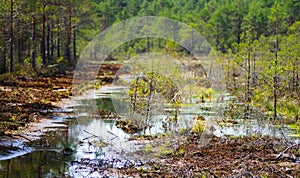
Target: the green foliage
(143, 88)
(98, 83)
(234, 27)
(290, 109)
(270, 66)
(296, 127)
(60, 59)
(12, 119)
(148, 149)
(39, 60)
(181, 151)
(198, 127)
(182, 130)
(165, 151)
(222, 22)
(168, 133)
(277, 18)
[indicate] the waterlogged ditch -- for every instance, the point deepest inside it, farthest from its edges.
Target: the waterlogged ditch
(94, 145)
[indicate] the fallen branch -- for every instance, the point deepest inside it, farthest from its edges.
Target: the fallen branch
(88, 137)
(112, 138)
(285, 150)
(113, 134)
(90, 133)
(24, 137)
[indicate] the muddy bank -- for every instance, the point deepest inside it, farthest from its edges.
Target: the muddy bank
(27, 104)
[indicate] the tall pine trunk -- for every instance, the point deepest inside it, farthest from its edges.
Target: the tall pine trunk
(74, 44)
(43, 46)
(275, 78)
(58, 39)
(69, 31)
(52, 42)
(3, 67)
(11, 69)
(33, 55)
(48, 43)
(19, 43)
(248, 93)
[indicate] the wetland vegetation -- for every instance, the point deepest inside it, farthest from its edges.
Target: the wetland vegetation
(157, 114)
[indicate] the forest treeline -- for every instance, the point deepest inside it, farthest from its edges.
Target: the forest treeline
(257, 40)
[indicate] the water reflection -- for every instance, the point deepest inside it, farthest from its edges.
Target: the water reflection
(41, 163)
(98, 141)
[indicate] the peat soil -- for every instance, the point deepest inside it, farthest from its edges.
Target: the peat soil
(249, 156)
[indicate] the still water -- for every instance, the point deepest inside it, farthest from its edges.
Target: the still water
(98, 143)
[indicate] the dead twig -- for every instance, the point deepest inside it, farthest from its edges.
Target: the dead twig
(285, 150)
(19, 135)
(90, 133)
(88, 137)
(112, 138)
(113, 134)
